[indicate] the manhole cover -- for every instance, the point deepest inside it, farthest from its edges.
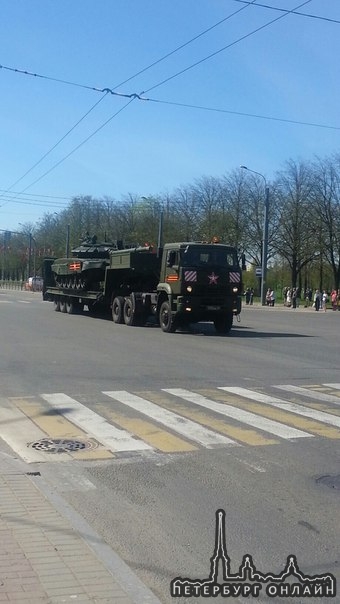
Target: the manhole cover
(61, 445)
(330, 481)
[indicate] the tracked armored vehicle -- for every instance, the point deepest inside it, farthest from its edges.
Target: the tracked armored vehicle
(85, 270)
(182, 283)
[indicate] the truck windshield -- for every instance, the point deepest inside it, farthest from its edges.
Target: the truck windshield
(195, 256)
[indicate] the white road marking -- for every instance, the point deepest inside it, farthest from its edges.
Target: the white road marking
(318, 396)
(240, 415)
(95, 425)
(335, 386)
(175, 422)
(320, 416)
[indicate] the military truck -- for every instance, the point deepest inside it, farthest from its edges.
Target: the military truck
(181, 283)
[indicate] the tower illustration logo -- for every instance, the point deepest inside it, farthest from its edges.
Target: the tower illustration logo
(248, 581)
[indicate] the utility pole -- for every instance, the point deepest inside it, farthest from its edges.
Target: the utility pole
(29, 255)
(265, 248)
(264, 259)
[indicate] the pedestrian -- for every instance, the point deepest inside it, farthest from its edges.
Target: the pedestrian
(251, 295)
(268, 296)
(289, 298)
(334, 299)
(298, 296)
(247, 295)
(272, 298)
(294, 297)
(317, 299)
(324, 300)
(308, 297)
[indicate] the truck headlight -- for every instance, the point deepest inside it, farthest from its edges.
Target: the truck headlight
(189, 289)
(235, 290)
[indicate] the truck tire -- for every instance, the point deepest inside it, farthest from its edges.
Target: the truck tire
(166, 319)
(56, 304)
(223, 323)
(62, 305)
(129, 313)
(118, 310)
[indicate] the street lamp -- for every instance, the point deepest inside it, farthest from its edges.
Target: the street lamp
(264, 237)
(30, 241)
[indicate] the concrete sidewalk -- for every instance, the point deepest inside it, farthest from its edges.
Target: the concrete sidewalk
(49, 554)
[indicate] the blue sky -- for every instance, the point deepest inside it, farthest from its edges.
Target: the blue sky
(288, 70)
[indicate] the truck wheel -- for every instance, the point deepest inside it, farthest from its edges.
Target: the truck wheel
(118, 310)
(62, 306)
(128, 312)
(56, 305)
(166, 319)
(223, 323)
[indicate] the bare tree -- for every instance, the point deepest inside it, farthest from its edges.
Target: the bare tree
(207, 195)
(297, 230)
(326, 193)
(187, 211)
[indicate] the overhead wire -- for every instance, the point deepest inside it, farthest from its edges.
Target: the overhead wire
(112, 90)
(245, 114)
(284, 10)
(134, 96)
(38, 195)
(102, 90)
(214, 54)
(83, 142)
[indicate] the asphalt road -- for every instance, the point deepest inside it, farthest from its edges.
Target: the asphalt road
(158, 511)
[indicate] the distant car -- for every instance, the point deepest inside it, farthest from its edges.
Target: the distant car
(34, 284)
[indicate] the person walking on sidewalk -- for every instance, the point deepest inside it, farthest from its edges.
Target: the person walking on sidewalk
(334, 299)
(317, 299)
(294, 297)
(298, 296)
(324, 300)
(289, 298)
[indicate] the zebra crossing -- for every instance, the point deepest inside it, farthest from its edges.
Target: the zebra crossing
(56, 427)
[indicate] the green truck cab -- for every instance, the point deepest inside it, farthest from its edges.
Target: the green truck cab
(199, 282)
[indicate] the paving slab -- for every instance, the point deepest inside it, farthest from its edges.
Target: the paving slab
(46, 546)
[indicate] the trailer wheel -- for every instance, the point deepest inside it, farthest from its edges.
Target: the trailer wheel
(129, 313)
(166, 319)
(118, 310)
(62, 305)
(69, 307)
(56, 305)
(223, 323)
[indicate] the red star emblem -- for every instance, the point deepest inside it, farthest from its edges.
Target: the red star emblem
(213, 279)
